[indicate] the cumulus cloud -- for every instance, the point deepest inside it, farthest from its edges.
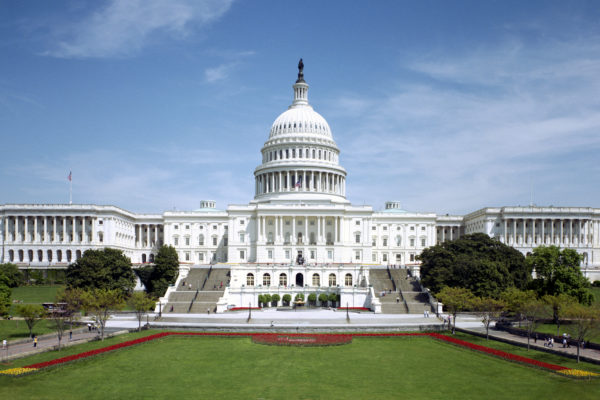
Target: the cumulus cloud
(123, 27)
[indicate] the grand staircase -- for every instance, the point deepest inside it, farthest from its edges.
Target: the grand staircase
(403, 288)
(199, 291)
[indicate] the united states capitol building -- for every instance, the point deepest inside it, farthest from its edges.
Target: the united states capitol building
(298, 232)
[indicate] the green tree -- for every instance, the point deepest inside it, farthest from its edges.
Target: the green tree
(488, 309)
(5, 295)
(312, 298)
(323, 299)
(557, 271)
(476, 262)
(514, 299)
(32, 314)
(164, 272)
(13, 276)
(59, 317)
(141, 304)
(275, 299)
(100, 303)
(533, 310)
(72, 301)
(456, 300)
(299, 296)
(333, 298)
(102, 269)
(267, 298)
(261, 299)
(585, 320)
(558, 304)
(287, 299)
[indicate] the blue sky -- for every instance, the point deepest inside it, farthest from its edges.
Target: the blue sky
(443, 106)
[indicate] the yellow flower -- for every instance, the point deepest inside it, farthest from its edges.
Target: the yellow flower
(17, 371)
(578, 373)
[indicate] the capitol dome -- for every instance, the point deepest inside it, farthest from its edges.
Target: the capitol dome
(300, 159)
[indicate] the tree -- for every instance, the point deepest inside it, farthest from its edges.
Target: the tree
(164, 272)
(71, 300)
(267, 299)
(261, 299)
(287, 299)
(586, 321)
(141, 304)
(456, 300)
(32, 314)
(312, 298)
(59, 317)
(102, 269)
(533, 310)
(514, 299)
(557, 271)
(333, 298)
(558, 304)
(13, 276)
(275, 299)
(323, 299)
(300, 297)
(488, 309)
(5, 295)
(476, 262)
(100, 302)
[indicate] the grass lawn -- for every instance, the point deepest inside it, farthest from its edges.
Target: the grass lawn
(596, 293)
(17, 329)
(33, 295)
(216, 367)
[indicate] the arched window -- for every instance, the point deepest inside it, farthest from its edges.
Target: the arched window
(348, 280)
(21, 255)
(332, 281)
(201, 240)
(283, 279)
(11, 255)
(41, 255)
(69, 256)
(59, 255)
(143, 258)
(250, 280)
(151, 258)
(398, 240)
(49, 254)
(266, 280)
(316, 281)
(78, 254)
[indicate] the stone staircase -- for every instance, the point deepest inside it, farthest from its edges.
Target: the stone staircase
(416, 301)
(382, 284)
(199, 291)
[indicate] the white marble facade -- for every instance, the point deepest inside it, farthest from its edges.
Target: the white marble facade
(299, 209)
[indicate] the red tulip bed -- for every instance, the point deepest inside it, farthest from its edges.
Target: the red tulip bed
(306, 340)
(302, 340)
(353, 309)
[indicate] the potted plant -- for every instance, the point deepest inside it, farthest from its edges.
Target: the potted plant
(333, 298)
(287, 299)
(312, 299)
(275, 299)
(323, 299)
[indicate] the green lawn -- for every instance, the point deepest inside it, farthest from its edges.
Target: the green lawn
(570, 329)
(35, 294)
(596, 293)
(216, 368)
(16, 329)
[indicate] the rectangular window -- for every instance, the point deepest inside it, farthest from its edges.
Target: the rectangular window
(374, 257)
(373, 228)
(187, 241)
(412, 256)
(242, 222)
(241, 238)
(176, 227)
(385, 242)
(385, 228)
(412, 228)
(384, 258)
(287, 254)
(187, 256)
(412, 242)
(176, 241)
(422, 228)
(100, 222)
(214, 227)
(214, 241)
(187, 227)
(242, 255)
(270, 254)
(422, 242)
(201, 257)
(312, 255)
(357, 255)
(357, 222)
(357, 238)
(330, 254)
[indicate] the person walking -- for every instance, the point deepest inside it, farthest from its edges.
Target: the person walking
(70, 335)
(4, 344)
(35, 340)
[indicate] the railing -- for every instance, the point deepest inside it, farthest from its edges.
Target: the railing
(206, 278)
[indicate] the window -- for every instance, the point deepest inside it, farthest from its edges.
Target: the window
(412, 256)
(187, 256)
(187, 227)
(214, 227)
(330, 254)
(187, 240)
(250, 280)
(357, 255)
(201, 240)
(201, 257)
(270, 254)
(422, 242)
(422, 228)
(385, 227)
(312, 254)
(241, 237)
(412, 228)
(348, 280)
(316, 281)
(242, 255)
(100, 222)
(176, 241)
(266, 280)
(374, 257)
(332, 281)
(384, 258)
(384, 242)
(283, 279)
(398, 228)
(398, 240)
(287, 254)
(242, 222)
(374, 242)
(373, 228)
(357, 222)
(176, 227)
(357, 238)
(214, 240)
(412, 242)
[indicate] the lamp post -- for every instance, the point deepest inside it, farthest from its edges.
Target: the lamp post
(249, 312)
(347, 313)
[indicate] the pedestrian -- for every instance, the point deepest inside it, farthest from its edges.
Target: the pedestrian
(183, 284)
(208, 311)
(35, 341)
(564, 340)
(535, 338)
(171, 309)
(221, 284)
(424, 313)
(397, 299)
(4, 344)
(189, 286)
(551, 342)
(89, 327)
(70, 335)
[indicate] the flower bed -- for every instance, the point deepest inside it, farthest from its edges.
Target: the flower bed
(298, 339)
(354, 308)
(302, 340)
(244, 308)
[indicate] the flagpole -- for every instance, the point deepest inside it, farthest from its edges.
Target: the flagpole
(70, 191)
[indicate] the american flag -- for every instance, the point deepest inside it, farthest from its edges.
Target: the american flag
(299, 183)
(70, 177)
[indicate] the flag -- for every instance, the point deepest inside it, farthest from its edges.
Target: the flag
(299, 183)
(70, 177)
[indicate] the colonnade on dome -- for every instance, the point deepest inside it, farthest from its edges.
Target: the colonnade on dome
(300, 181)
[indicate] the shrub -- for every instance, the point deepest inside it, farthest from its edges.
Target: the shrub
(323, 299)
(275, 299)
(287, 299)
(312, 298)
(267, 298)
(333, 298)
(261, 299)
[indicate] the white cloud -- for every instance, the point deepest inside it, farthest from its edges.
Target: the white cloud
(478, 128)
(123, 27)
(219, 73)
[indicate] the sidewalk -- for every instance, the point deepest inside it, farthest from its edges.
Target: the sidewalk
(45, 343)
(571, 352)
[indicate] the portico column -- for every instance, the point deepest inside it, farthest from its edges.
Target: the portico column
(543, 237)
(552, 231)
(505, 232)
(73, 230)
(579, 239)
(293, 230)
(533, 233)
(54, 229)
(64, 230)
(305, 241)
(524, 232)
(319, 230)
(570, 232)
(45, 226)
(93, 234)
(83, 235)
(514, 231)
